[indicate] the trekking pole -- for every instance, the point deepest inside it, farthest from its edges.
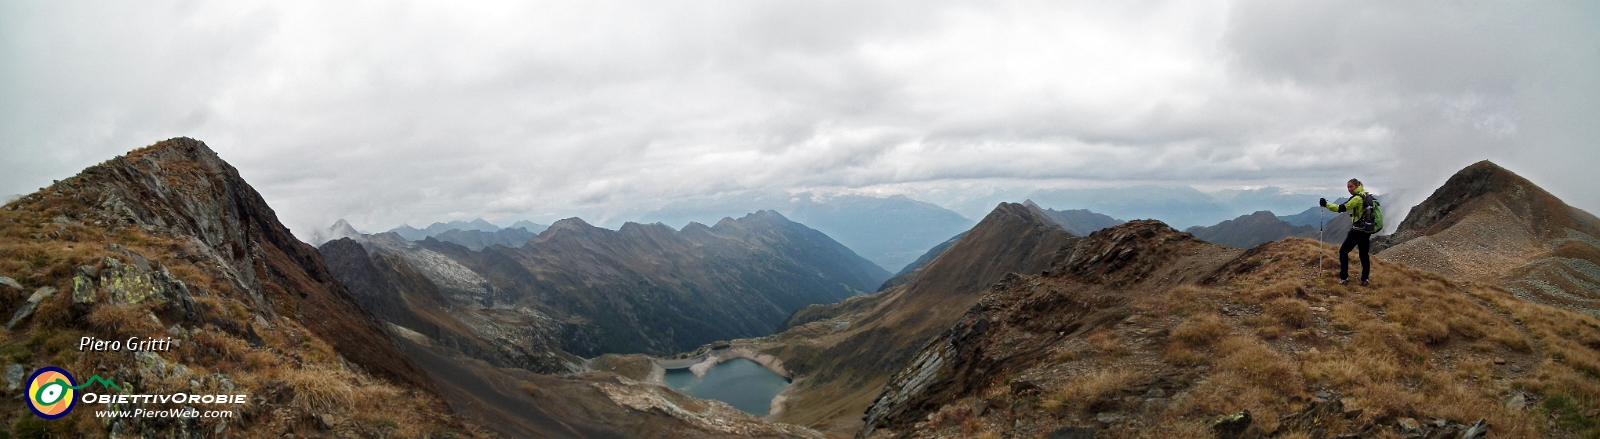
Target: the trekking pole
(1319, 242)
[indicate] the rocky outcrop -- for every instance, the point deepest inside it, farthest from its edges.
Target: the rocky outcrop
(181, 188)
(169, 243)
(32, 304)
(117, 283)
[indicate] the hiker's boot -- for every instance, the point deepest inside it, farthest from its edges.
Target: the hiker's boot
(1363, 282)
(1344, 281)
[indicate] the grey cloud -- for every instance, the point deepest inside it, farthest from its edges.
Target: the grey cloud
(388, 113)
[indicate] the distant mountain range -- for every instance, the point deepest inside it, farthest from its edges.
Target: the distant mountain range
(893, 231)
(1180, 206)
(1081, 222)
(890, 231)
(641, 288)
(1261, 227)
(476, 225)
(1251, 230)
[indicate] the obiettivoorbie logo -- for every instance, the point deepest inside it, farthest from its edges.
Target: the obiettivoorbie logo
(52, 393)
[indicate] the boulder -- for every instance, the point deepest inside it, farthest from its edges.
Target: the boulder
(14, 376)
(33, 303)
(8, 282)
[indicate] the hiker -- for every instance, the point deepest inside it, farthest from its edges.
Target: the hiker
(1361, 229)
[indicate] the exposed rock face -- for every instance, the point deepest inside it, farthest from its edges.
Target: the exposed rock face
(170, 241)
(32, 304)
(183, 189)
(1252, 230)
(1487, 223)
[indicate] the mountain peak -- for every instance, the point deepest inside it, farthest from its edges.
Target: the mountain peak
(339, 230)
(1488, 223)
(169, 238)
(765, 215)
(573, 223)
(1482, 184)
(177, 149)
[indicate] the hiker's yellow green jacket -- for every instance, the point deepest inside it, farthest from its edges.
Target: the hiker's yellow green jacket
(1353, 205)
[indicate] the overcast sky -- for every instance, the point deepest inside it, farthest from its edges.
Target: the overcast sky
(389, 112)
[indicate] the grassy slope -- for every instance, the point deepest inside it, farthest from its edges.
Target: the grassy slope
(1266, 334)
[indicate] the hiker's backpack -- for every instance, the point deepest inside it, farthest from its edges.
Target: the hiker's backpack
(1371, 220)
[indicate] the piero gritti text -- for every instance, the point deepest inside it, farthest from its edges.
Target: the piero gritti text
(132, 344)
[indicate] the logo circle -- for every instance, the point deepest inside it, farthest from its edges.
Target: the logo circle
(50, 392)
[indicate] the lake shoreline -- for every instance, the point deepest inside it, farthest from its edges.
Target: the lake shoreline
(698, 365)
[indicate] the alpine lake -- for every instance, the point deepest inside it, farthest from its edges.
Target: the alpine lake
(742, 383)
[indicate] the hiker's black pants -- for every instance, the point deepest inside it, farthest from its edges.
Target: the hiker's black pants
(1356, 239)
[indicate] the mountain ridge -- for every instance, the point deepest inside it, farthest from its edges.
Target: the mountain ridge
(169, 240)
(1490, 224)
(646, 287)
(849, 348)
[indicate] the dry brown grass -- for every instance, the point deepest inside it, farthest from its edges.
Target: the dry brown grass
(1201, 329)
(1094, 388)
(1106, 342)
(1280, 290)
(222, 345)
(122, 321)
(1292, 313)
(1180, 354)
(320, 390)
(1412, 345)
(529, 388)
(1250, 358)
